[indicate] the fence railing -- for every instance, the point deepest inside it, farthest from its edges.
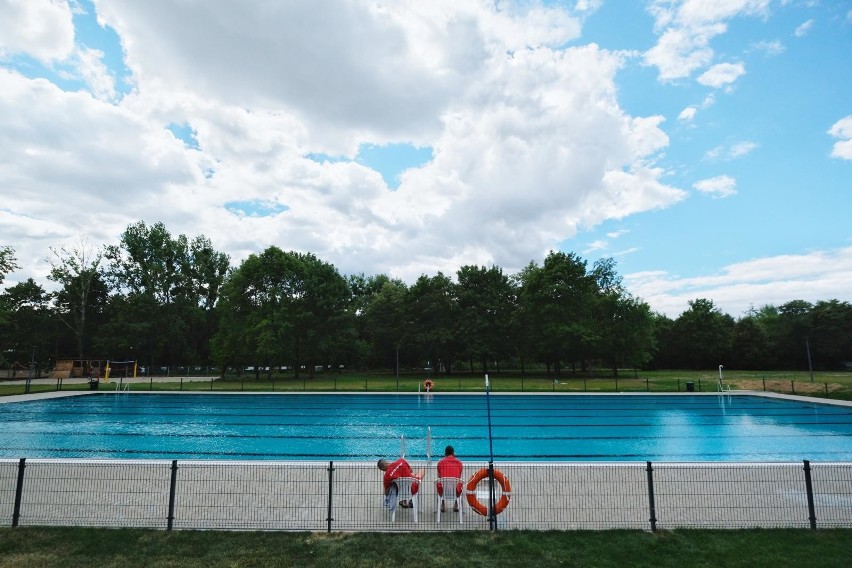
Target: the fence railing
(348, 496)
(331, 382)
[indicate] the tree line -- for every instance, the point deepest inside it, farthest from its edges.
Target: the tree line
(170, 300)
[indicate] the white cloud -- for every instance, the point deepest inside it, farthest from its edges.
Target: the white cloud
(687, 114)
(803, 29)
(736, 150)
(721, 74)
(719, 186)
(95, 73)
(529, 142)
(815, 276)
(740, 149)
(40, 28)
(686, 28)
(774, 47)
(842, 129)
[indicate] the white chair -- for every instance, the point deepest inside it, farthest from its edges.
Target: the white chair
(403, 493)
(449, 485)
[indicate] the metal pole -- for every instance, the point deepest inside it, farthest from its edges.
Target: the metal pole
(651, 503)
(30, 376)
(809, 488)
(19, 490)
(329, 518)
(810, 366)
(172, 490)
(492, 518)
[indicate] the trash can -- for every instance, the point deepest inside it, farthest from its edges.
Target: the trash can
(93, 384)
(690, 386)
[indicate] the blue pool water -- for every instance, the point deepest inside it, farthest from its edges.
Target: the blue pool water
(365, 427)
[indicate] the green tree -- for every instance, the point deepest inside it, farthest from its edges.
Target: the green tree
(282, 307)
(23, 334)
(486, 300)
(164, 289)
(751, 347)
(831, 334)
(556, 302)
(77, 270)
(432, 309)
(386, 326)
(704, 335)
(8, 262)
(793, 329)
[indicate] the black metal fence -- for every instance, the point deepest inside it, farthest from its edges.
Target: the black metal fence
(348, 496)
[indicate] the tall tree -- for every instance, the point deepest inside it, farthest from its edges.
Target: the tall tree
(704, 335)
(23, 335)
(386, 326)
(77, 270)
(831, 334)
(485, 303)
(164, 290)
(556, 299)
(8, 262)
(280, 308)
(432, 309)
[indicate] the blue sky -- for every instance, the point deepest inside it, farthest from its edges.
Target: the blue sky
(706, 146)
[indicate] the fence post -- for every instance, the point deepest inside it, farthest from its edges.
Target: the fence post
(792, 387)
(810, 490)
(647, 385)
(19, 490)
(329, 518)
(616, 383)
(172, 487)
(764, 384)
(653, 507)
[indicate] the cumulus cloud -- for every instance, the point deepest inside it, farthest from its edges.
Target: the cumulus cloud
(721, 74)
(42, 29)
(842, 129)
(718, 187)
(686, 28)
(814, 276)
(688, 113)
(528, 140)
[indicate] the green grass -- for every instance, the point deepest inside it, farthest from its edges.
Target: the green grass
(32, 547)
(827, 385)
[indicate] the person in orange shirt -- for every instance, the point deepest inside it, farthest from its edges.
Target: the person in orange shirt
(449, 466)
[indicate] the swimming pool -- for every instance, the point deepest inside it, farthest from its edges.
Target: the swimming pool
(367, 426)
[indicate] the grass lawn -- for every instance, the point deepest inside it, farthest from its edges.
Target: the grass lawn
(66, 547)
(825, 384)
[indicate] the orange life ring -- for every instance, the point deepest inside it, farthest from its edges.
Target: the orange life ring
(428, 384)
(481, 508)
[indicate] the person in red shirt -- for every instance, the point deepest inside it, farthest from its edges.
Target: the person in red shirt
(449, 466)
(399, 468)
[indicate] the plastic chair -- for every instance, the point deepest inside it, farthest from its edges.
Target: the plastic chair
(403, 493)
(449, 485)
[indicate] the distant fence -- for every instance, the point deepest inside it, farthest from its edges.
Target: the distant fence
(205, 379)
(347, 496)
